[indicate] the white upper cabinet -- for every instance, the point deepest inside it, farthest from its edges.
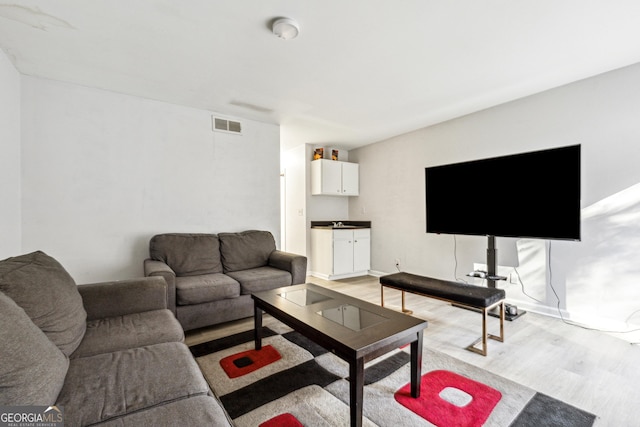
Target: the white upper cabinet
(350, 180)
(334, 178)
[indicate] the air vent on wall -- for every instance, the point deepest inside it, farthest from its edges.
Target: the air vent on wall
(224, 125)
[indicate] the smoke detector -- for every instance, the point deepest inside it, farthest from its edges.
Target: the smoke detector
(285, 28)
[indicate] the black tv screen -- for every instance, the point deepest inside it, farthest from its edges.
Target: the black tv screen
(533, 195)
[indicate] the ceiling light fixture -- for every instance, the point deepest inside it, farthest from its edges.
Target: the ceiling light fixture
(285, 28)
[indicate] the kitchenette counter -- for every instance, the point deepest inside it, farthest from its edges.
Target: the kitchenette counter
(340, 225)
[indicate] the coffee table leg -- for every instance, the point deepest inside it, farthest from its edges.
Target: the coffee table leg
(416, 365)
(356, 386)
(257, 326)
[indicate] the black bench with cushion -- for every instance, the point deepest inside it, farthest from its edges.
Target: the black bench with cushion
(477, 298)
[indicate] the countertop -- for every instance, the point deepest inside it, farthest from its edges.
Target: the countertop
(346, 225)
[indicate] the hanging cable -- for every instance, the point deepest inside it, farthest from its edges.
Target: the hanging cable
(455, 259)
(522, 286)
(576, 324)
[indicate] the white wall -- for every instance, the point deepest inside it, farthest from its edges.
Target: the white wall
(594, 278)
(295, 206)
(10, 229)
(300, 206)
(323, 208)
(103, 172)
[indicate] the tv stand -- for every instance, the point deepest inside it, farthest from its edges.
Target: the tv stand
(492, 276)
(492, 262)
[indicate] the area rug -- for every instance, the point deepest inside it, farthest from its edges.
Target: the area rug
(294, 382)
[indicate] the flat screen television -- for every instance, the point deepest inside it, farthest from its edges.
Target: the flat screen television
(529, 195)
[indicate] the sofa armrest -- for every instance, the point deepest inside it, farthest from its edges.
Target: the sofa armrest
(153, 268)
(293, 263)
(110, 299)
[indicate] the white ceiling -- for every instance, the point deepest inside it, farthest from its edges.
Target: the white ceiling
(360, 71)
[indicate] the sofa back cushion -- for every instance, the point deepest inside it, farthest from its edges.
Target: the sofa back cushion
(187, 254)
(32, 368)
(247, 249)
(47, 293)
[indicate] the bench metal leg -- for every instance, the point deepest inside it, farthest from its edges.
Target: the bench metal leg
(404, 310)
(485, 336)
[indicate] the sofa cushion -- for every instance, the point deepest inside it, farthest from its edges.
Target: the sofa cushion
(247, 249)
(32, 368)
(110, 385)
(48, 294)
(261, 279)
(187, 254)
(205, 288)
(129, 331)
(194, 411)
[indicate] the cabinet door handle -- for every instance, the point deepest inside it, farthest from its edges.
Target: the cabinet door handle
(355, 241)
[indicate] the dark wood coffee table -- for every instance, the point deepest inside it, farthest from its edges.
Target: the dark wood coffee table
(352, 329)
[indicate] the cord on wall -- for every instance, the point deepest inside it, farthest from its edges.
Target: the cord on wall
(576, 324)
(455, 259)
(522, 287)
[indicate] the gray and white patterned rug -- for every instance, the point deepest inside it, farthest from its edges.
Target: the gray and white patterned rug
(311, 386)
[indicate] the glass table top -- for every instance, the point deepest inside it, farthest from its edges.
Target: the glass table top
(354, 318)
(304, 297)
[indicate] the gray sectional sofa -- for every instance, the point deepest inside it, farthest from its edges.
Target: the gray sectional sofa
(108, 354)
(211, 277)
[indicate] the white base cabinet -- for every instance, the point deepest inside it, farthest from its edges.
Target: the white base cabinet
(339, 254)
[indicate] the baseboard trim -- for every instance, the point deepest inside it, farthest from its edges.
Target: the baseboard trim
(339, 276)
(375, 273)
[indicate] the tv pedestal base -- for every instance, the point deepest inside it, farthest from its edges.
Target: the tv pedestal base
(492, 277)
(507, 316)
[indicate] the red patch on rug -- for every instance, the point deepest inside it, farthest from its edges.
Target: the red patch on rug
(282, 420)
(243, 363)
(432, 407)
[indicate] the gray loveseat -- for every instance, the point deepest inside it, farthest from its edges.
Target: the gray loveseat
(107, 354)
(211, 277)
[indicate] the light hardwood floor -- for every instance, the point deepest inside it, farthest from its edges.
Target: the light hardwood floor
(592, 370)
